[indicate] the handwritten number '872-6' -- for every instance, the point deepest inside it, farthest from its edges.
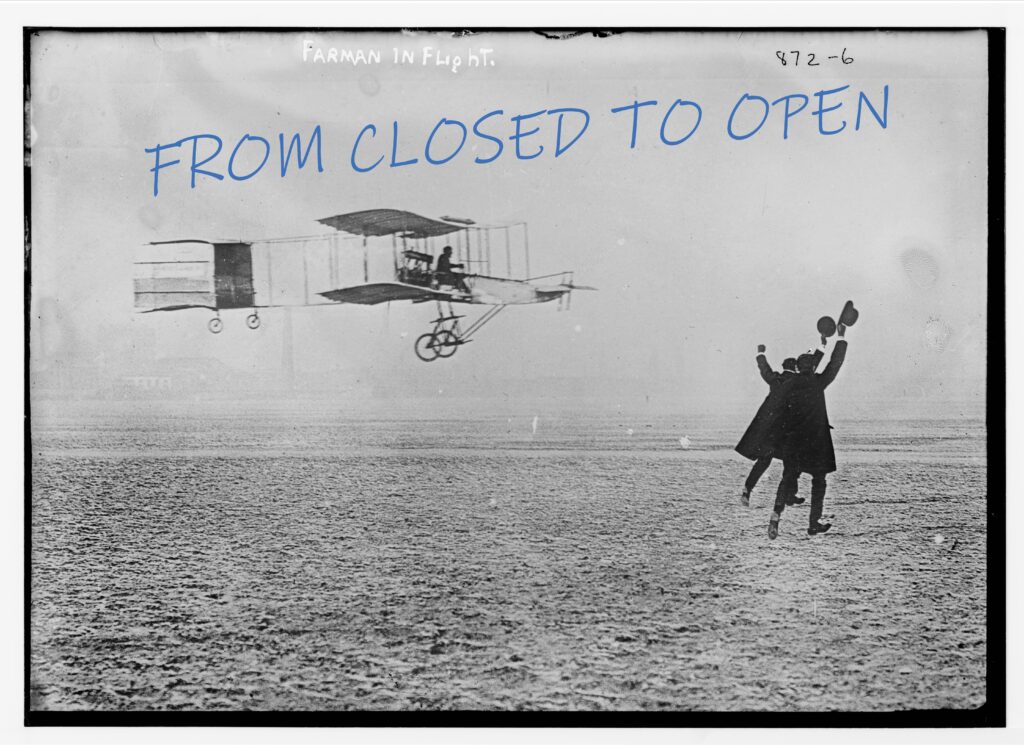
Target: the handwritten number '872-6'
(810, 57)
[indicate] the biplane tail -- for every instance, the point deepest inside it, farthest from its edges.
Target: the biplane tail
(193, 276)
(198, 274)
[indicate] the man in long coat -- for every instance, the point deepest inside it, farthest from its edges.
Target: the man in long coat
(758, 441)
(804, 438)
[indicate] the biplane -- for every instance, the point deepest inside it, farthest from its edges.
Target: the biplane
(374, 257)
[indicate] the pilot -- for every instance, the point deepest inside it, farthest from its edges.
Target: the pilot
(443, 271)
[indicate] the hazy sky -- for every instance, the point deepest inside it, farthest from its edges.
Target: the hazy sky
(700, 250)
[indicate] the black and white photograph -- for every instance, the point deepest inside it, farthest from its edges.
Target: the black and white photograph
(431, 376)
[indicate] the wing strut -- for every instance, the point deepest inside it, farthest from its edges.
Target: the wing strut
(487, 317)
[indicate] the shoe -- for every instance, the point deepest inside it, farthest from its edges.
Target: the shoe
(794, 500)
(818, 528)
(745, 497)
(773, 527)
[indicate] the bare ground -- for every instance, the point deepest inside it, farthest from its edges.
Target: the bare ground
(428, 571)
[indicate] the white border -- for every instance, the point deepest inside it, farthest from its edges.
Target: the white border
(528, 14)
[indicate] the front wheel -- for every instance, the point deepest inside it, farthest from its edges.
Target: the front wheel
(447, 343)
(253, 321)
(215, 325)
(426, 347)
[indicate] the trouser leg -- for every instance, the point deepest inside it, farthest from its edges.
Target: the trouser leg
(757, 471)
(818, 485)
(787, 486)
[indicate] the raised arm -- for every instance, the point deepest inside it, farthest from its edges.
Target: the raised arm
(835, 362)
(767, 374)
(819, 352)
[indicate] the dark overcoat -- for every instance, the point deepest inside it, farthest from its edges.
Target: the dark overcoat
(759, 439)
(803, 435)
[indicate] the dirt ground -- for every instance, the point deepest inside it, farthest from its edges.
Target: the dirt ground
(478, 565)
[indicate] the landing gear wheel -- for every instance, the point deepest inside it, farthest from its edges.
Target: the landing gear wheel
(426, 347)
(446, 344)
(215, 325)
(253, 321)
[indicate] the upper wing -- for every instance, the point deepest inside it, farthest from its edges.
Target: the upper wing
(385, 221)
(378, 293)
(181, 241)
(179, 307)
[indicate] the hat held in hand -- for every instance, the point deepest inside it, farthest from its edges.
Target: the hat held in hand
(849, 314)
